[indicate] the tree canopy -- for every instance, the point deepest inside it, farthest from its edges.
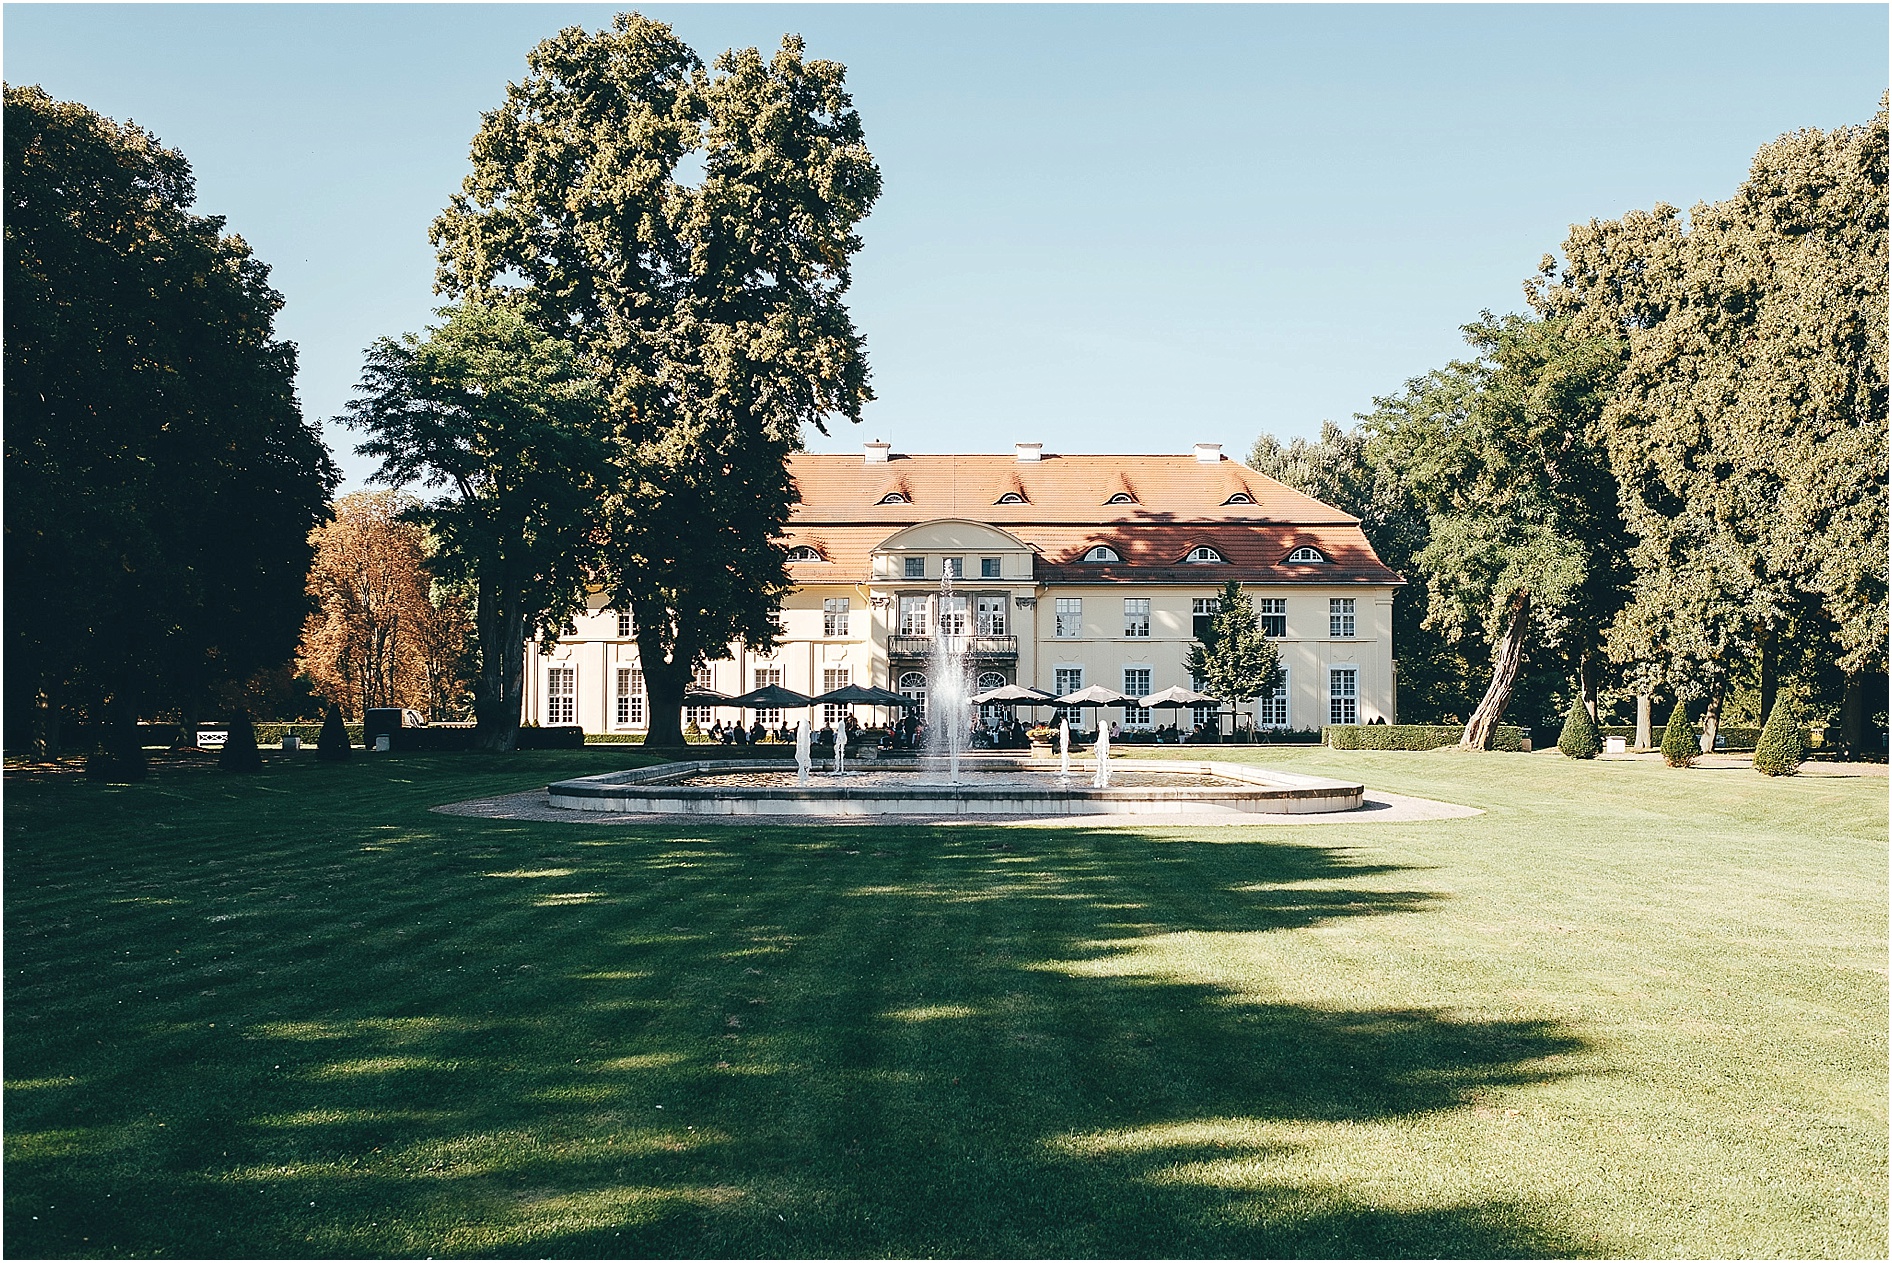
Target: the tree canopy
(711, 311)
(161, 479)
(1233, 658)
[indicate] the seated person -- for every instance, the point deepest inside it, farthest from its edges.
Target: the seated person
(716, 731)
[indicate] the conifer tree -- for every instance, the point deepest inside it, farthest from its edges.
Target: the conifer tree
(332, 746)
(1234, 659)
(1580, 739)
(1780, 750)
(239, 753)
(1680, 746)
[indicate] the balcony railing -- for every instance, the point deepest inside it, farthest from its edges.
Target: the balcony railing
(971, 646)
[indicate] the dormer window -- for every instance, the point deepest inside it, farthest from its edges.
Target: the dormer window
(1203, 553)
(1102, 552)
(893, 497)
(1122, 497)
(1011, 497)
(1307, 554)
(802, 552)
(1240, 497)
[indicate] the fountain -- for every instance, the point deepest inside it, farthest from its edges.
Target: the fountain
(1064, 746)
(840, 749)
(1102, 779)
(804, 754)
(948, 686)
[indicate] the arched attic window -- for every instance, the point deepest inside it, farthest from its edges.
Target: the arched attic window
(1102, 552)
(802, 552)
(1122, 497)
(1304, 553)
(1203, 553)
(1010, 497)
(893, 497)
(1240, 497)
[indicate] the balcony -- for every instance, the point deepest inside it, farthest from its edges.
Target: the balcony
(978, 648)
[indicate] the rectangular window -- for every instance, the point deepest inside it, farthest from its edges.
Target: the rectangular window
(1136, 683)
(915, 568)
(1340, 616)
(1272, 711)
(992, 616)
(1070, 618)
(989, 567)
(954, 566)
(1273, 613)
(1069, 680)
(1207, 713)
(561, 696)
(1343, 706)
(771, 716)
(952, 615)
(834, 616)
(1203, 610)
(832, 678)
(1136, 619)
(624, 625)
(630, 709)
(701, 716)
(913, 616)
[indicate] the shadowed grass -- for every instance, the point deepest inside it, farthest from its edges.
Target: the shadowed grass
(1627, 1011)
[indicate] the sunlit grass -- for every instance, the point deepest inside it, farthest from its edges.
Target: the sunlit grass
(1626, 1011)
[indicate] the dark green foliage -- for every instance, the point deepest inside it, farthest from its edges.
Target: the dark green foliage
(1505, 737)
(239, 753)
(161, 482)
(1681, 745)
(557, 737)
(1782, 747)
(1233, 659)
(1580, 739)
(119, 759)
(332, 746)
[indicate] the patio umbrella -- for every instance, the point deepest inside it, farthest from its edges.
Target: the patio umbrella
(1096, 695)
(855, 695)
(770, 697)
(1014, 695)
(1176, 698)
(705, 697)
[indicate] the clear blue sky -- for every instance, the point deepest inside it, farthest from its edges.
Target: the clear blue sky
(1106, 228)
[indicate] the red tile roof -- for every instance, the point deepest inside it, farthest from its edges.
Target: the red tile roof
(1179, 503)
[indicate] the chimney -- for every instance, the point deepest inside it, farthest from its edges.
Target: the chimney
(1208, 453)
(1030, 451)
(877, 452)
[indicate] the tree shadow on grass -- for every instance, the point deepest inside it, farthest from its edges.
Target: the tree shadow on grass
(463, 1039)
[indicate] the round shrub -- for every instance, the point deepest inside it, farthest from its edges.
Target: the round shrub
(239, 753)
(332, 746)
(1781, 748)
(1580, 739)
(1680, 746)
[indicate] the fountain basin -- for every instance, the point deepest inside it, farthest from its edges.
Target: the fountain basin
(1022, 787)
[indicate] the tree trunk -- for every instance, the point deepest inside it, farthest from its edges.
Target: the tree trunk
(1711, 720)
(1643, 734)
(502, 669)
(1586, 681)
(1852, 717)
(665, 681)
(1506, 657)
(1770, 672)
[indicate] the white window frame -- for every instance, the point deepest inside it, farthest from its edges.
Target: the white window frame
(1102, 553)
(954, 566)
(625, 628)
(955, 615)
(913, 684)
(834, 615)
(1343, 704)
(991, 567)
(914, 620)
(991, 616)
(629, 711)
(1067, 618)
(1067, 678)
(1307, 554)
(913, 568)
(561, 695)
(1276, 710)
(771, 716)
(1340, 617)
(1202, 554)
(1267, 607)
(701, 716)
(1138, 716)
(1136, 617)
(835, 714)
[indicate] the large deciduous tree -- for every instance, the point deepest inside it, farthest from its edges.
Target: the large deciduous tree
(385, 632)
(711, 310)
(161, 480)
(1749, 429)
(502, 417)
(1523, 536)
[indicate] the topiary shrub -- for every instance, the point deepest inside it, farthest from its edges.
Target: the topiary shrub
(1580, 739)
(332, 746)
(1681, 746)
(1781, 748)
(1505, 737)
(239, 753)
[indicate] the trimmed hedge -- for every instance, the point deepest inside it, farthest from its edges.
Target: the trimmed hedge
(561, 737)
(1782, 747)
(1579, 739)
(1681, 740)
(271, 734)
(1506, 737)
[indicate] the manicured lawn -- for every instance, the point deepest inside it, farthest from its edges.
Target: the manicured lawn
(1628, 1011)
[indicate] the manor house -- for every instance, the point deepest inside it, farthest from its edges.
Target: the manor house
(1068, 571)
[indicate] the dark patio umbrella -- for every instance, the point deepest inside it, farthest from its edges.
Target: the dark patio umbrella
(855, 695)
(770, 697)
(705, 697)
